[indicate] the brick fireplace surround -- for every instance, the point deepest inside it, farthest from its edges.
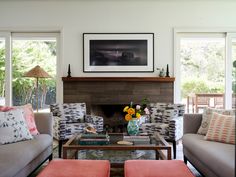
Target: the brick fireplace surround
(106, 96)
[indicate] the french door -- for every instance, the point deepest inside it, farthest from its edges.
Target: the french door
(204, 64)
(20, 52)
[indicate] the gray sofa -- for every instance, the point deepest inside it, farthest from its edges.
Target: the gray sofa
(212, 159)
(22, 158)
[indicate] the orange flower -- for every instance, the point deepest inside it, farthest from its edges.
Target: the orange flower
(128, 117)
(131, 111)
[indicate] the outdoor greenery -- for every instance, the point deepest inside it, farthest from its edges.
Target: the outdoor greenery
(202, 67)
(26, 55)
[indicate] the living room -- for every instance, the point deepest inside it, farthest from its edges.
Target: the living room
(72, 24)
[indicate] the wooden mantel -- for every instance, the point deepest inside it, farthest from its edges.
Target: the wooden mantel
(119, 79)
(117, 90)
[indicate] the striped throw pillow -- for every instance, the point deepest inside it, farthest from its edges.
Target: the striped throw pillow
(221, 129)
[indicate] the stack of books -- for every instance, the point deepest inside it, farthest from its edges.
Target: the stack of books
(137, 140)
(94, 139)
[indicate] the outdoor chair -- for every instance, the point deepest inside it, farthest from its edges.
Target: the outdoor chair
(167, 119)
(70, 119)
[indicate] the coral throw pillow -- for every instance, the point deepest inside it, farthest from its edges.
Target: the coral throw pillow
(221, 129)
(6, 108)
(29, 117)
(207, 115)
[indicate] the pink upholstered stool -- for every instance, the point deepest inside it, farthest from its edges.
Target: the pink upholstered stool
(156, 168)
(76, 168)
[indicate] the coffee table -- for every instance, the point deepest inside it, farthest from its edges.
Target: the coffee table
(158, 144)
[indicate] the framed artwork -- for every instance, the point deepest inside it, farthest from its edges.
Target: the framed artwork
(118, 52)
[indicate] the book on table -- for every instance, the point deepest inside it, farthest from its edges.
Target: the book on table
(94, 139)
(137, 140)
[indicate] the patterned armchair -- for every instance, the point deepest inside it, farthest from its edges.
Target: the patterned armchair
(167, 119)
(71, 118)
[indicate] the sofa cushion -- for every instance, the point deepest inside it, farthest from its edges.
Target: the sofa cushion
(218, 157)
(221, 129)
(13, 127)
(206, 118)
(20, 154)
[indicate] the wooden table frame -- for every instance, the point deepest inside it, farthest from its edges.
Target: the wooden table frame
(157, 148)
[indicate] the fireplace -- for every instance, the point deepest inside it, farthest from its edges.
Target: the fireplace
(107, 96)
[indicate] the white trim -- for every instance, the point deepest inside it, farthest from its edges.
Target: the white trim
(8, 68)
(177, 65)
(228, 67)
(205, 30)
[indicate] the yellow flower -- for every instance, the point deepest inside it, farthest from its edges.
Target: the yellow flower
(131, 111)
(138, 115)
(128, 117)
(126, 109)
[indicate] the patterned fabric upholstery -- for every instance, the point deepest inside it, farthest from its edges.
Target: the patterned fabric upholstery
(167, 119)
(65, 127)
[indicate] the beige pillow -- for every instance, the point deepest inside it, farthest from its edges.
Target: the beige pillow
(206, 118)
(221, 129)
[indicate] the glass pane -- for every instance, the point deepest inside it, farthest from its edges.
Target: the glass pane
(202, 72)
(2, 71)
(234, 73)
(27, 54)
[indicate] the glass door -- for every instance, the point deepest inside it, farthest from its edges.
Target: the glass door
(5, 84)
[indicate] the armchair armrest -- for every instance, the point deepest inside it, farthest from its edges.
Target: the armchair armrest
(44, 122)
(97, 121)
(59, 128)
(192, 123)
(176, 128)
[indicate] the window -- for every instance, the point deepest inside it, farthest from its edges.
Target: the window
(202, 70)
(29, 50)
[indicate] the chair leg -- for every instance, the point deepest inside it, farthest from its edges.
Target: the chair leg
(60, 148)
(185, 160)
(50, 157)
(174, 148)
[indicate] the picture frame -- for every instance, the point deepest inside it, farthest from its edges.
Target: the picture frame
(118, 52)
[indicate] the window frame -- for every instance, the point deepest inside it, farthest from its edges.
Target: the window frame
(198, 32)
(9, 36)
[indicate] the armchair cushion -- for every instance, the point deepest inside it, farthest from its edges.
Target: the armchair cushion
(167, 119)
(71, 112)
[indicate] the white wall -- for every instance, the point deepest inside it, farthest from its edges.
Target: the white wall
(77, 17)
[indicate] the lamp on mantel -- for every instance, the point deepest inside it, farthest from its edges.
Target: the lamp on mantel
(37, 72)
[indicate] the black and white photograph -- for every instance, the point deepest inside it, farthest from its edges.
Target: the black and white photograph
(118, 52)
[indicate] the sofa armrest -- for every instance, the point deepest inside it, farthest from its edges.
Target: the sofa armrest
(44, 122)
(192, 123)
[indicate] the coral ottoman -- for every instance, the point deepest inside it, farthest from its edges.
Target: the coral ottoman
(76, 168)
(156, 168)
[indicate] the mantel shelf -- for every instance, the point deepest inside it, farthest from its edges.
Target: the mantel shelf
(118, 79)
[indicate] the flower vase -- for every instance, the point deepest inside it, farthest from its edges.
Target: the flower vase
(133, 127)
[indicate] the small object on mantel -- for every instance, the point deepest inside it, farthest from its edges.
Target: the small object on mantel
(69, 71)
(162, 73)
(167, 71)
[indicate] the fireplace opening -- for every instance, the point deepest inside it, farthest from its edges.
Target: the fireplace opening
(113, 115)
